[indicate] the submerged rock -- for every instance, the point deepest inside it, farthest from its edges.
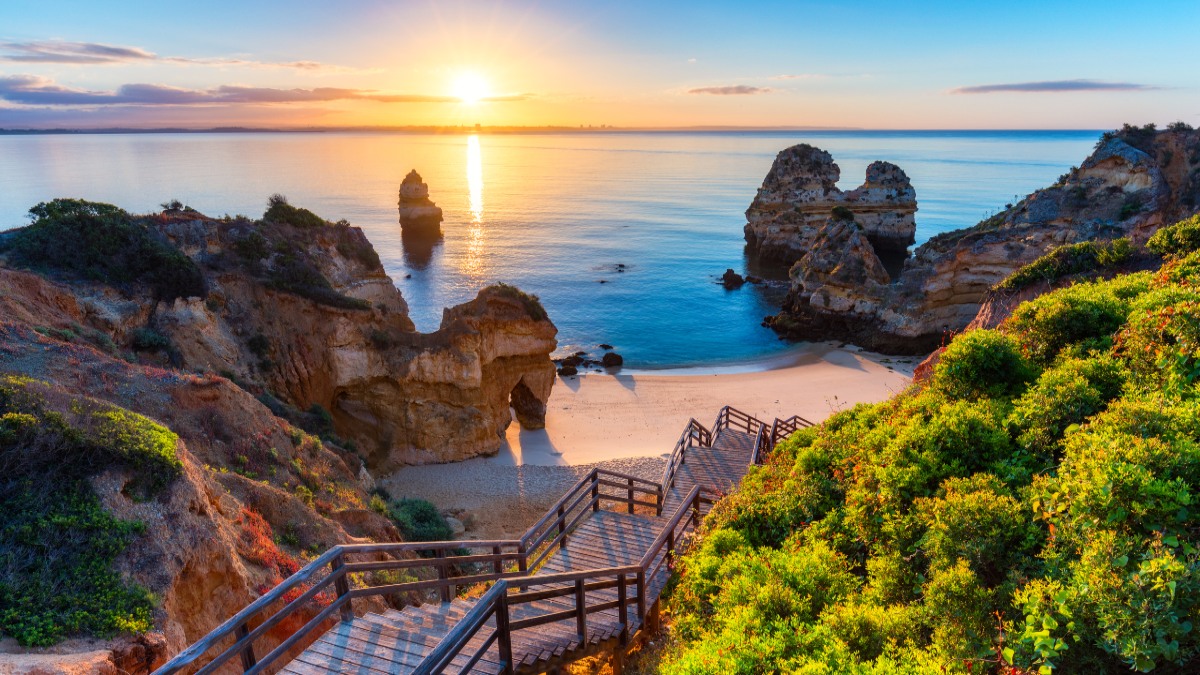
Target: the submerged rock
(731, 280)
(420, 218)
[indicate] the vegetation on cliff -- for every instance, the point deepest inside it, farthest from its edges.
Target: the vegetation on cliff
(101, 242)
(1028, 508)
(57, 543)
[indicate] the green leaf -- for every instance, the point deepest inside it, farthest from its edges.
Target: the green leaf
(1049, 623)
(1007, 652)
(1045, 669)
(1121, 560)
(1171, 541)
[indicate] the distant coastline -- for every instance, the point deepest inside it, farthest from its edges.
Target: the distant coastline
(530, 130)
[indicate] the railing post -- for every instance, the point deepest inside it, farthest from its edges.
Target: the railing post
(596, 494)
(630, 482)
(641, 596)
(523, 560)
(248, 659)
(443, 574)
(671, 548)
(623, 608)
(498, 565)
(658, 501)
(503, 634)
(562, 528)
(581, 612)
(341, 586)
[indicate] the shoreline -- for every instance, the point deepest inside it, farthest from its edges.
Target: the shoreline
(629, 421)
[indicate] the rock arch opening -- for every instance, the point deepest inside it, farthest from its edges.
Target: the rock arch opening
(528, 408)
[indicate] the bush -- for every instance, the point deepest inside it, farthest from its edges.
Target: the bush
(419, 520)
(149, 340)
(1085, 315)
(1063, 261)
(281, 212)
(106, 245)
(531, 303)
(51, 444)
(992, 515)
(981, 363)
(1179, 239)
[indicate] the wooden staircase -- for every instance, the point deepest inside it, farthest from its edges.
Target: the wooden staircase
(584, 579)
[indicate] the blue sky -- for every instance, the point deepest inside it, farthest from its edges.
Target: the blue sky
(856, 64)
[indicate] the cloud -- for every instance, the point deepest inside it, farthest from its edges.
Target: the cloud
(730, 90)
(41, 91)
(800, 76)
(1053, 86)
(95, 53)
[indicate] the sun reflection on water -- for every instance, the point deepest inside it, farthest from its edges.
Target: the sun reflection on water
(473, 265)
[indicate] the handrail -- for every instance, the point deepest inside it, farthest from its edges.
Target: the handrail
(781, 429)
(331, 571)
(492, 603)
(693, 433)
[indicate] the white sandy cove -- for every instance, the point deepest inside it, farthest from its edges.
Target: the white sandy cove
(598, 417)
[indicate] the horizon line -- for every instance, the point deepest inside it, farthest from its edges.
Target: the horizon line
(472, 129)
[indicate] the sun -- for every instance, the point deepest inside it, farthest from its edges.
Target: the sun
(471, 88)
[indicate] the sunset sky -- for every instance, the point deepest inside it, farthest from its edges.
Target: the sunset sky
(886, 65)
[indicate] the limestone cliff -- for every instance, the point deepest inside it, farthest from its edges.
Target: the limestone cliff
(254, 494)
(800, 192)
(1136, 181)
(301, 310)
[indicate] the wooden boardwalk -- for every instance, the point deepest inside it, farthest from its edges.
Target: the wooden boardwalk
(597, 563)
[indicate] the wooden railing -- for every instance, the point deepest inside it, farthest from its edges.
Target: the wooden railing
(694, 434)
(329, 574)
(505, 595)
(326, 585)
(781, 429)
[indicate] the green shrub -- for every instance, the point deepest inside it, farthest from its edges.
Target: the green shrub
(419, 520)
(150, 340)
(51, 444)
(981, 363)
(1068, 259)
(280, 211)
(531, 303)
(106, 245)
(1063, 397)
(1179, 239)
(1086, 315)
(252, 247)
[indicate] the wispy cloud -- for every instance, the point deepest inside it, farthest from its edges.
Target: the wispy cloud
(731, 90)
(800, 76)
(34, 90)
(95, 53)
(1053, 86)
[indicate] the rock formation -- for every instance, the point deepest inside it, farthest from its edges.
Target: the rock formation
(1135, 182)
(420, 218)
(307, 315)
(800, 193)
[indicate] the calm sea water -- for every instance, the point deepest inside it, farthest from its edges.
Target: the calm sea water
(555, 214)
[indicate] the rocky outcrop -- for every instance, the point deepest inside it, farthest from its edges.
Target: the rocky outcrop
(307, 316)
(1134, 183)
(207, 547)
(800, 193)
(420, 218)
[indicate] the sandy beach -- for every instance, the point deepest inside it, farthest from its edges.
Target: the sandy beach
(629, 421)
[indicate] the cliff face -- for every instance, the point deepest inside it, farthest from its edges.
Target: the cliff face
(800, 192)
(306, 313)
(1119, 191)
(211, 539)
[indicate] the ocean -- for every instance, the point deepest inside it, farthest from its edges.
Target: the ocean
(621, 234)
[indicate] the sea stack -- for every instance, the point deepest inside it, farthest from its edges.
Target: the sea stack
(419, 217)
(800, 194)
